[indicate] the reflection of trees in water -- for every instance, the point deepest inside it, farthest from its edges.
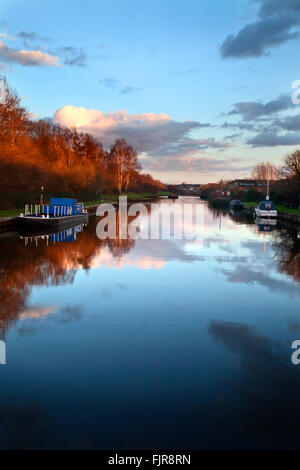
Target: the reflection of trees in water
(285, 243)
(286, 247)
(23, 267)
(217, 213)
(287, 250)
(120, 246)
(239, 217)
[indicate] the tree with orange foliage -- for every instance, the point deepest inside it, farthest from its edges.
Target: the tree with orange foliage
(35, 153)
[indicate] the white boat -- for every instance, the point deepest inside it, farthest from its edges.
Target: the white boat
(265, 209)
(265, 225)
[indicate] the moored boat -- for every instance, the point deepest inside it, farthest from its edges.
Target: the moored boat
(60, 213)
(265, 209)
(236, 205)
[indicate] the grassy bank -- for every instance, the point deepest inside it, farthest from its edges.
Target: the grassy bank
(104, 198)
(278, 207)
(10, 212)
(130, 197)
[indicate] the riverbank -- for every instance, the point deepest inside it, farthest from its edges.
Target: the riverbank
(8, 217)
(278, 207)
(284, 213)
(109, 198)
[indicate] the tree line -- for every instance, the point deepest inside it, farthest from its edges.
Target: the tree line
(35, 153)
(284, 182)
(284, 179)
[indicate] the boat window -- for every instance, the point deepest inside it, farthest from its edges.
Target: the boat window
(266, 205)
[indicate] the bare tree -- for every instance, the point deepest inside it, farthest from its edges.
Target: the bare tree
(132, 166)
(122, 161)
(13, 118)
(265, 171)
(291, 166)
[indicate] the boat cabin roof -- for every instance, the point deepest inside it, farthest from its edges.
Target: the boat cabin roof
(266, 205)
(62, 201)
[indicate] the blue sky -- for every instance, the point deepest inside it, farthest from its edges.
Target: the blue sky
(165, 74)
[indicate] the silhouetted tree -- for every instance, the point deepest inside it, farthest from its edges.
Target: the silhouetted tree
(291, 166)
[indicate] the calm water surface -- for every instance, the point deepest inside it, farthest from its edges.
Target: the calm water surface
(151, 343)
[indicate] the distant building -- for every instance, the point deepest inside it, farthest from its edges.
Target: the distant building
(222, 193)
(245, 185)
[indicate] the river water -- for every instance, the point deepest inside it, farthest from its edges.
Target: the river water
(140, 344)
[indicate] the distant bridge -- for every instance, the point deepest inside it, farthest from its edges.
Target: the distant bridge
(186, 189)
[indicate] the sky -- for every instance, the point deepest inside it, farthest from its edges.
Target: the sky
(202, 89)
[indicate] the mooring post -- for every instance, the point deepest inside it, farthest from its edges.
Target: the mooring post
(42, 195)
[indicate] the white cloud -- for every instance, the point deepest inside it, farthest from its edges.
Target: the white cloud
(27, 58)
(199, 165)
(163, 144)
(148, 132)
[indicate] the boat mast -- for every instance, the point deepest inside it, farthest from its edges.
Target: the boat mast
(268, 184)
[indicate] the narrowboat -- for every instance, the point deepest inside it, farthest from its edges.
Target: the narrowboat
(265, 209)
(60, 213)
(236, 205)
